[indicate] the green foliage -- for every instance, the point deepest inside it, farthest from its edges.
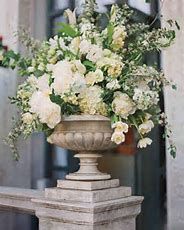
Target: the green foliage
(66, 30)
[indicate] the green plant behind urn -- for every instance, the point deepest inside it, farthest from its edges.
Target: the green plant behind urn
(86, 69)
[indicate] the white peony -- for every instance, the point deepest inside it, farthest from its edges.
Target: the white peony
(146, 127)
(48, 112)
(118, 137)
(144, 142)
(123, 105)
(63, 77)
(120, 127)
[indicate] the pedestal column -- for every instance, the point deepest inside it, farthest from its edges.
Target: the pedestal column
(83, 205)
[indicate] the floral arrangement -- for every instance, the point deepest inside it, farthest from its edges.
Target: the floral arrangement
(92, 68)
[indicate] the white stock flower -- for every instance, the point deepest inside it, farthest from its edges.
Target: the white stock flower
(143, 143)
(114, 84)
(63, 77)
(120, 127)
(146, 127)
(74, 45)
(122, 105)
(118, 137)
(48, 112)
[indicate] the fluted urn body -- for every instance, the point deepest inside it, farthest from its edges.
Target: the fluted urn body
(88, 135)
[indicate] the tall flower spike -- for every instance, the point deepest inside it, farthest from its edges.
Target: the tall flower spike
(89, 8)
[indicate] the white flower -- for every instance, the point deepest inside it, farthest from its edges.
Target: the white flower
(43, 84)
(77, 66)
(85, 46)
(27, 118)
(94, 77)
(145, 98)
(118, 37)
(63, 77)
(114, 84)
(57, 42)
(79, 83)
(74, 45)
(144, 142)
(30, 69)
(120, 127)
(146, 127)
(95, 53)
(118, 137)
(71, 16)
(122, 105)
(48, 112)
(90, 99)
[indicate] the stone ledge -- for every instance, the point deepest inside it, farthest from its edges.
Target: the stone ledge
(87, 213)
(19, 200)
(87, 196)
(87, 185)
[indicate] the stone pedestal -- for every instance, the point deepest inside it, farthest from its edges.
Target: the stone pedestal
(88, 205)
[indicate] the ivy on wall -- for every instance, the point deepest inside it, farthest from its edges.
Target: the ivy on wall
(3, 49)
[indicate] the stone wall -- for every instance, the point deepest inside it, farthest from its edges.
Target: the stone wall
(173, 63)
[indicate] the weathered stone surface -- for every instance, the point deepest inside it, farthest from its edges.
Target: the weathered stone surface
(87, 196)
(114, 214)
(87, 185)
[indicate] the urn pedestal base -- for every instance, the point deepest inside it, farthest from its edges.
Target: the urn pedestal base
(88, 205)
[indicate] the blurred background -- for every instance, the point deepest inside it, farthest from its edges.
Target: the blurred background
(151, 172)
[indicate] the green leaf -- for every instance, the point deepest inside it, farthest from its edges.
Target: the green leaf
(67, 30)
(89, 64)
(110, 31)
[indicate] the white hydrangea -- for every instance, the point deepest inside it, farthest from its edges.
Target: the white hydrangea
(118, 137)
(145, 99)
(143, 143)
(90, 98)
(120, 127)
(146, 127)
(123, 105)
(48, 112)
(114, 84)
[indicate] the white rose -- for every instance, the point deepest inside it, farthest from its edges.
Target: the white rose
(144, 142)
(146, 127)
(122, 105)
(94, 77)
(120, 127)
(48, 112)
(118, 137)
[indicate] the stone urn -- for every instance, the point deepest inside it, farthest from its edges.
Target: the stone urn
(89, 136)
